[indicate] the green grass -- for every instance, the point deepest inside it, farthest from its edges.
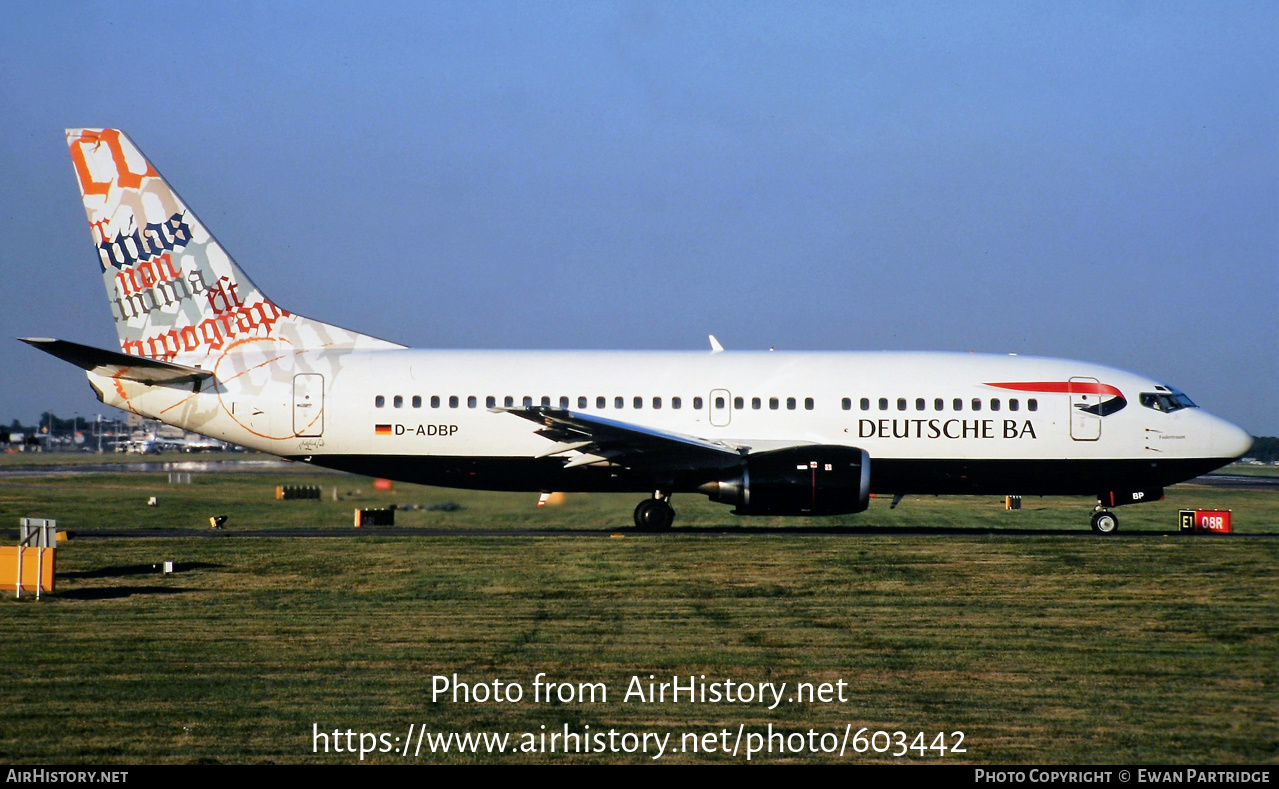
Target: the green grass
(1048, 649)
(1250, 470)
(38, 459)
(119, 501)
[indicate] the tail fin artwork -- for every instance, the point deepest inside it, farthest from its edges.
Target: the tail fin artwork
(175, 294)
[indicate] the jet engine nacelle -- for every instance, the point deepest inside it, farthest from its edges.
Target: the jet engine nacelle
(810, 480)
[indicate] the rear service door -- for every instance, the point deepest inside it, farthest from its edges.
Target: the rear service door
(308, 405)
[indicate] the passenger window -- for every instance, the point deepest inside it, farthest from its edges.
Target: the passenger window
(528, 401)
(790, 404)
(546, 401)
(379, 401)
(676, 403)
(471, 402)
(508, 401)
(994, 404)
(601, 402)
(756, 403)
(773, 403)
(657, 402)
(398, 401)
(939, 404)
(563, 401)
(452, 401)
(639, 402)
(1013, 405)
(883, 404)
(847, 403)
(417, 401)
(958, 404)
(865, 403)
(808, 404)
(619, 402)
(697, 404)
(976, 403)
(901, 404)
(739, 403)
(920, 405)
(1032, 404)
(490, 402)
(719, 402)
(581, 402)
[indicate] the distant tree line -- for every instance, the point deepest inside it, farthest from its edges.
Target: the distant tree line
(51, 422)
(1265, 449)
(53, 425)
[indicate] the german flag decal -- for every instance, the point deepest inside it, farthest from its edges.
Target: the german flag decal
(382, 430)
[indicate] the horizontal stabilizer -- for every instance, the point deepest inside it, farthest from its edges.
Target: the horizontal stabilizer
(118, 365)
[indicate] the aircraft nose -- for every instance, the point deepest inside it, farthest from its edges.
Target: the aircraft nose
(1232, 440)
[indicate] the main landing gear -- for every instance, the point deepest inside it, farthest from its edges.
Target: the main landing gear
(654, 514)
(1104, 521)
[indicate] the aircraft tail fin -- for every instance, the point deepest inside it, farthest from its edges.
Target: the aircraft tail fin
(175, 293)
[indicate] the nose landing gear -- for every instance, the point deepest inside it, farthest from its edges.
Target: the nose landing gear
(1104, 521)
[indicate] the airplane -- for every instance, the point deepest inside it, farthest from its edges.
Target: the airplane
(148, 442)
(768, 433)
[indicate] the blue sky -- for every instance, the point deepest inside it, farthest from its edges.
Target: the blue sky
(1089, 180)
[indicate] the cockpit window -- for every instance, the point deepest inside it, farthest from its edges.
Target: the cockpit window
(1168, 401)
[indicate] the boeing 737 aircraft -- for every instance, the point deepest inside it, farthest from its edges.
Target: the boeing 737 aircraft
(201, 347)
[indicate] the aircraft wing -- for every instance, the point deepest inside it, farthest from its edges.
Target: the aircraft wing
(119, 365)
(600, 440)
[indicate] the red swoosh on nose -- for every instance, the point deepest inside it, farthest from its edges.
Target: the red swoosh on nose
(1060, 387)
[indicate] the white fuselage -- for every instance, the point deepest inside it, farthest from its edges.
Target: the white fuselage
(898, 406)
